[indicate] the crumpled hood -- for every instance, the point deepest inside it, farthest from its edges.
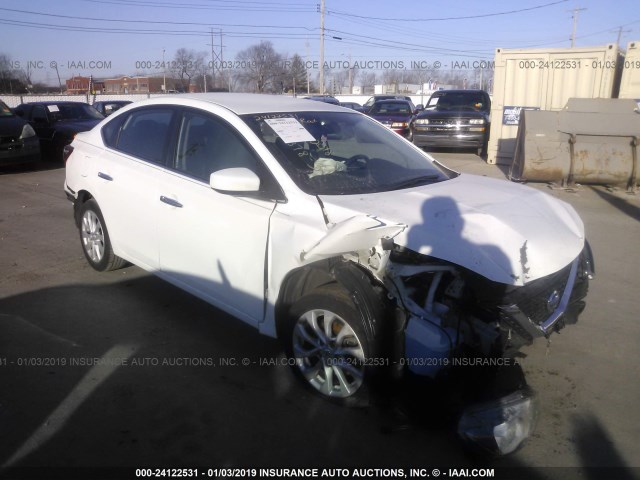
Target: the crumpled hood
(504, 231)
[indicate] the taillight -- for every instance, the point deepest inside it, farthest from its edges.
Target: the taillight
(66, 151)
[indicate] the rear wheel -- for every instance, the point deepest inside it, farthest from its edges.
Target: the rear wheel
(329, 347)
(94, 237)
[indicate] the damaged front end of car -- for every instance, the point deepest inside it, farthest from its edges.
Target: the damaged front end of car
(457, 318)
(453, 316)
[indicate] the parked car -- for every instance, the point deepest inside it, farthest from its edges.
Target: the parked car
(18, 141)
(454, 118)
(376, 98)
(323, 98)
(107, 107)
(352, 105)
(319, 226)
(395, 114)
(56, 123)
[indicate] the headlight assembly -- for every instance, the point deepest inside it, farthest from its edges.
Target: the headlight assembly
(500, 426)
(27, 132)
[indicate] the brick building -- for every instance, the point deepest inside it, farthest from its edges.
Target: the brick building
(136, 85)
(80, 85)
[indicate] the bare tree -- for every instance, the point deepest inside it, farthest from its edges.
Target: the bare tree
(12, 78)
(368, 80)
(296, 75)
(262, 68)
(186, 64)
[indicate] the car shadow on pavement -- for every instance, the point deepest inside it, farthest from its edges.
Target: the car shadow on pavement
(190, 385)
(41, 166)
(187, 385)
(621, 204)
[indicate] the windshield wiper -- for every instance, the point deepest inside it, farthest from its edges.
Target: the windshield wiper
(414, 182)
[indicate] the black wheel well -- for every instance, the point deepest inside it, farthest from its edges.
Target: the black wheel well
(367, 293)
(384, 321)
(82, 198)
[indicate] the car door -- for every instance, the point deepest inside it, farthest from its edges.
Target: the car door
(43, 124)
(127, 180)
(213, 244)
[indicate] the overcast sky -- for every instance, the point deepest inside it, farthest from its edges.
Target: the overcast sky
(129, 36)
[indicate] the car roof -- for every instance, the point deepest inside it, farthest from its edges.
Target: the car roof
(393, 100)
(459, 91)
(53, 102)
(245, 103)
(390, 97)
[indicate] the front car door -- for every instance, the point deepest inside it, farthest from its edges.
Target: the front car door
(214, 244)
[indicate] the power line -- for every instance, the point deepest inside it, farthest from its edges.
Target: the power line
(195, 6)
(137, 31)
(466, 17)
(71, 17)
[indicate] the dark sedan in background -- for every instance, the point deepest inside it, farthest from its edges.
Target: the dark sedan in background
(377, 98)
(18, 140)
(323, 98)
(108, 107)
(353, 106)
(56, 123)
(395, 114)
(454, 118)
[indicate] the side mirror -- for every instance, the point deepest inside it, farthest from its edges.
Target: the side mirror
(419, 108)
(235, 180)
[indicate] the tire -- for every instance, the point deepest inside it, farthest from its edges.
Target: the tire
(482, 150)
(95, 241)
(328, 346)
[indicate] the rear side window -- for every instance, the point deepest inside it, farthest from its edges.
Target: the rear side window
(144, 134)
(111, 131)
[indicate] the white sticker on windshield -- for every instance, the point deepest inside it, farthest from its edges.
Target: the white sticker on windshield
(53, 108)
(290, 130)
(433, 101)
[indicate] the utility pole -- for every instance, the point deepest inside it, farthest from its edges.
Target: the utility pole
(306, 44)
(575, 12)
(213, 63)
(350, 74)
(620, 32)
(321, 47)
(222, 65)
(217, 58)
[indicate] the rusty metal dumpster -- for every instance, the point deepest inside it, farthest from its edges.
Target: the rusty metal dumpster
(590, 141)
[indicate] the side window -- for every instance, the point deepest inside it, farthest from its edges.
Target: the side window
(39, 114)
(145, 134)
(111, 131)
(206, 145)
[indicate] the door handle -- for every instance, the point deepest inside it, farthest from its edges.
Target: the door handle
(105, 176)
(170, 201)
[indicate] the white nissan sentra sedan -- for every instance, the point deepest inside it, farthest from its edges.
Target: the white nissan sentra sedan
(319, 226)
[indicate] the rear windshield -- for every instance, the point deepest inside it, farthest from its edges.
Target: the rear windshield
(73, 111)
(5, 111)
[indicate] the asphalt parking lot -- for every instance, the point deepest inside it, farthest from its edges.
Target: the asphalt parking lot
(185, 397)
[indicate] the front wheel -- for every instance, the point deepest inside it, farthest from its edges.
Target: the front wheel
(328, 345)
(94, 237)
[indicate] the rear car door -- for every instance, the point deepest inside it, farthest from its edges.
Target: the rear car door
(138, 145)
